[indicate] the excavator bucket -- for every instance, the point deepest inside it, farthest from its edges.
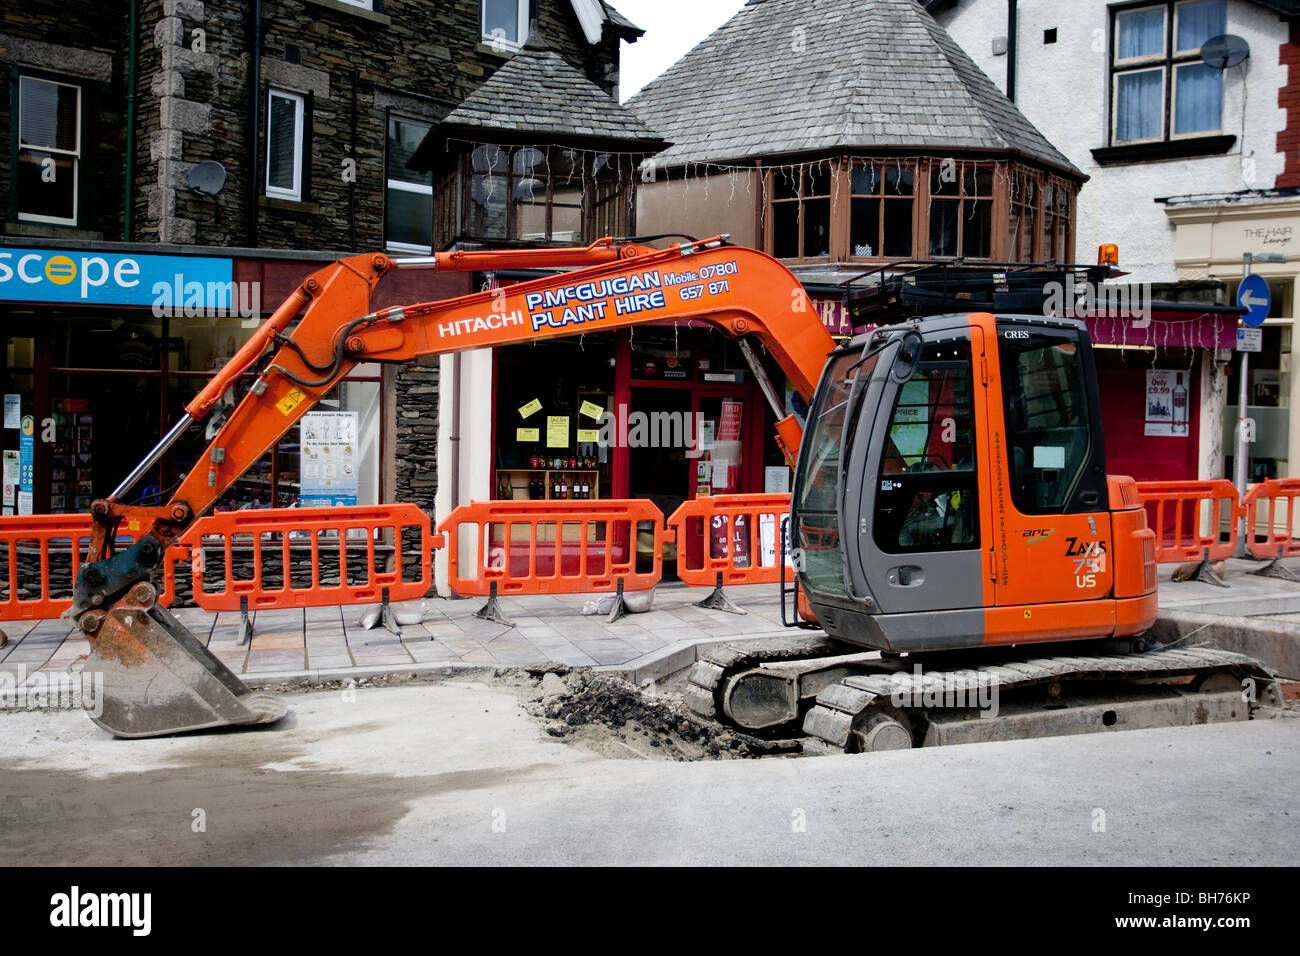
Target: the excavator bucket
(158, 678)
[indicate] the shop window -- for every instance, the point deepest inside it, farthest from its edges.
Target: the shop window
(801, 211)
(284, 145)
(1048, 429)
(409, 197)
(49, 150)
(881, 214)
(961, 210)
(505, 23)
(1160, 89)
(927, 497)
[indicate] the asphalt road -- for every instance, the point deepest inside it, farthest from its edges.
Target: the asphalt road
(456, 773)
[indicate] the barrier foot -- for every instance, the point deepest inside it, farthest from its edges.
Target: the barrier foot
(386, 617)
(1205, 573)
(491, 611)
(718, 600)
(1275, 570)
(620, 606)
(245, 622)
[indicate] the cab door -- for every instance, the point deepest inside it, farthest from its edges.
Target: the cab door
(918, 521)
(1051, 523)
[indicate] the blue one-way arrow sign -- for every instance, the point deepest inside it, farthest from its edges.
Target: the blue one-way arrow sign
(1253, 295)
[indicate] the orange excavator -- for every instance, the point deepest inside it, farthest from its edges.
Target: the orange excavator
(950, 495)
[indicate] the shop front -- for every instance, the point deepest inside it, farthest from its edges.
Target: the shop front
(661, 412)
(105, 345)
(1213, 236)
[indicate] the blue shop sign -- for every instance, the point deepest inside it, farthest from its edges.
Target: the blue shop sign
(100, 278)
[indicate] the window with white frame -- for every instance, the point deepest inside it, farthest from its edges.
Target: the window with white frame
(505, 23)
(409, 196)
(284, 144)
(363, 4)
(49, 150)
(1160, 89)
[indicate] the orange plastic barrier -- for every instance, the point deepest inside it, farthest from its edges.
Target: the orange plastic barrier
(1187, 517)
(554, 547)
(312, 544)
(39, 557)
(736, 536)
(1276, 501)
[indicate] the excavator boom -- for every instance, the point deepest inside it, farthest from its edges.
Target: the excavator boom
(323, 330)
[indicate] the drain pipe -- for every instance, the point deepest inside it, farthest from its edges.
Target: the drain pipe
(129, 175)
(1011, 50)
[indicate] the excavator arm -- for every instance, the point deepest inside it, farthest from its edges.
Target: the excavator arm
(319, 334)
(738, 290)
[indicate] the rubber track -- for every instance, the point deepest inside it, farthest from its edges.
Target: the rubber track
(830, 722)
(711, 672)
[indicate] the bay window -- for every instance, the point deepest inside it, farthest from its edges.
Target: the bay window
(550, 194)
(899, 208)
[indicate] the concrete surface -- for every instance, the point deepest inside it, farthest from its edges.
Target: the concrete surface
(328, 642)
(290, 643)
(455, 773)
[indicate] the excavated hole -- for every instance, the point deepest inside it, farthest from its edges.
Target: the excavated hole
(597, 712)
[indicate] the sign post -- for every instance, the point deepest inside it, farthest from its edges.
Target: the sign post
(1253, 296)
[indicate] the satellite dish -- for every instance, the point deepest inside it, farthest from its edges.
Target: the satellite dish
(1224, 51)
(207, 178)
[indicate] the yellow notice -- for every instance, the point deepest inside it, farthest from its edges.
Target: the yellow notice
(532, 407)
(528, 434)
(290, 401)
(557, 431)
(589, 435)
(591, 410)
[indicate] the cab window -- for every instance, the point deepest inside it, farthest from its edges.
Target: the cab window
(1048, 427)
(926, 495)
(817, 483)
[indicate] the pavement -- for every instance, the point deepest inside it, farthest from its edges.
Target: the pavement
(329, 642)
(456, 773)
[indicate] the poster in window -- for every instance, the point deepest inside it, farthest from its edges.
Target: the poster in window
(729, 424)
(328, 449)
(557, 431)
(1166, 403)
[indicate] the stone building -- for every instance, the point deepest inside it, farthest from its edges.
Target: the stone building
(246, 142)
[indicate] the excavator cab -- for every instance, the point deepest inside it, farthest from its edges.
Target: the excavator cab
(952, 492)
